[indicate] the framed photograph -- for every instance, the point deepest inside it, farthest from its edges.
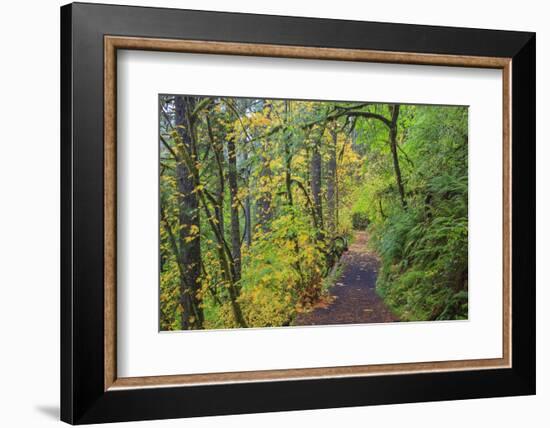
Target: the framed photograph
(265, 213)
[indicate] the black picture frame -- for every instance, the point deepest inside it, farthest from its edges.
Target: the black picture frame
(83, 398)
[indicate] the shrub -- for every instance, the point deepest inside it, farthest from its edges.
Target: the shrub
(281, 272)
(359, 220)
(359, 211)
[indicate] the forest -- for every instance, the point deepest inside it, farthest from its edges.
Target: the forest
(277, 212)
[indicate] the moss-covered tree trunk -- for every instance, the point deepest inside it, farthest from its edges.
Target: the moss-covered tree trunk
(331, 184)
(315, 185)
(264, 210)
(393, 144)
(235, 222)
(189, 219)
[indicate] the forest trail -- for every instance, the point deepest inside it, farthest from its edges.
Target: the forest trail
(354, 297)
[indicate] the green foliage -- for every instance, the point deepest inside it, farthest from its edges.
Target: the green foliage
(424, 248)
(170, 309)
(359, 211)
(360, 220)
(281, 275)
(283, 270)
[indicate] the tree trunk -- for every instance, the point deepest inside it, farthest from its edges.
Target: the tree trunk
(393, 143)
(315, 174)
(288, 158)
(331, 185)
(263, 203)
(189, 220)
(248, 220)
(235, 223)
(288, 177)
(247, 204)
(217, 148)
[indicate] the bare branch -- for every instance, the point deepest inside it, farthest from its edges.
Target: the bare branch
(172, 152)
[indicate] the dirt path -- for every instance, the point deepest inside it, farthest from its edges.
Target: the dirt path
(354, 296)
